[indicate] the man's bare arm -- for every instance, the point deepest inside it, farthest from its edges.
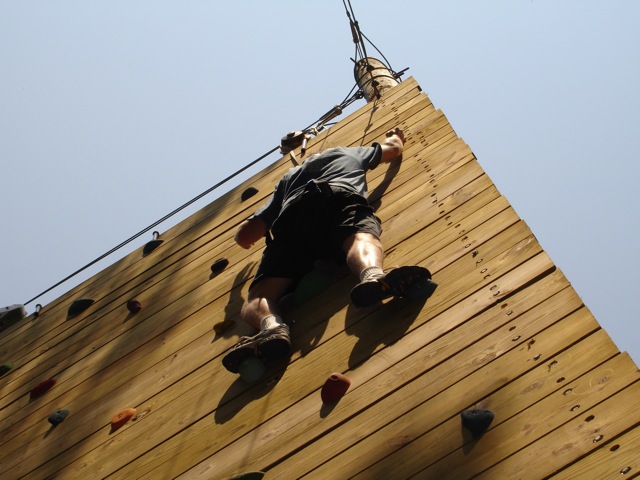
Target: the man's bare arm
(250, 231)
(392, 146)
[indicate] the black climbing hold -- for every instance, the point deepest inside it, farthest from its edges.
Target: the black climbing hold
(477, 421)
(42, 388)
(248, 476)
(152, 244)
(5, 368)
(79, 306)
(134, 306)
(248, 193)
(58, 416)
(219, 265)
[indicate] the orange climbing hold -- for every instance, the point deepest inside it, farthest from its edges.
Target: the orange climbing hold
(122, 417)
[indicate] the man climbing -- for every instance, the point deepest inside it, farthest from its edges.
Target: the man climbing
(319, 210)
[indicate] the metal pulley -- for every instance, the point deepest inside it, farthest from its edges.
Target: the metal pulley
(291, 141)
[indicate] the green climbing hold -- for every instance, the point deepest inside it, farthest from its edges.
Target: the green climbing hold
(248, 476)
(57, 417)
(312, 284)
(5, 368)
(251, 370)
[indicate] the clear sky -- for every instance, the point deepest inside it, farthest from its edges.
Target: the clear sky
(113, 114)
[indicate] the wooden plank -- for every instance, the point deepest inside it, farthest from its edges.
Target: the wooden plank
(439, 210)
(294, 431)
(112, 288)
(574, 439)
(93, 391)
(402, 93)
(108, 332)
(120, 374)
(65, 347)
(401, 417)
(618, 458)
(314, 364)
(509, 435)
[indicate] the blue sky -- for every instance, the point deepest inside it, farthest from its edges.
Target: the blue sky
(113, 114)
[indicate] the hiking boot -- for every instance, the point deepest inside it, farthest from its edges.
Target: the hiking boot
(412, 282)
(267, 345)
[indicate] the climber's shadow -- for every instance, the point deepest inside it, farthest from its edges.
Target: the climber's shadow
(379, 326)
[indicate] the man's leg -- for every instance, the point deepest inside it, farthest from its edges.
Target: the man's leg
(262, 302)
(365, 256)
(261, 311)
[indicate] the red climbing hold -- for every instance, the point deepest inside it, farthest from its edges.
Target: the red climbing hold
(334, 388)
(134, 306)
(122, 417)
(42, 388)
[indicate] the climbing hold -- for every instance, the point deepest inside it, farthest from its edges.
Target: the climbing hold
(311, 285)
(57, 417)
(122, 417)
(251, 369)
(4, 368)
(248, 193)
(42, 388)
(36, 314)
(219, 265)
(12, 313)
(223, 326)
(134, 306)
(248, 476)
(152, 244)
(477, 421)
(334, 388)
(79, 306)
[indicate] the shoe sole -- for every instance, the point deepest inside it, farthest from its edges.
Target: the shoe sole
(413, 282)
(265, 349)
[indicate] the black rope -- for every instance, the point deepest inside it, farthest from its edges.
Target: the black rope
(154, 224)
(359, 37)
(315, 125)
(361, 52)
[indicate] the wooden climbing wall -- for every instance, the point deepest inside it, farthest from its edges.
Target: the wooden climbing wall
(504, 331)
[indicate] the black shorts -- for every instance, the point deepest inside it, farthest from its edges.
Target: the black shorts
(315, 227)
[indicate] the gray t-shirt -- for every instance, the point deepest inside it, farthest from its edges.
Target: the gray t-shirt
(343, 167)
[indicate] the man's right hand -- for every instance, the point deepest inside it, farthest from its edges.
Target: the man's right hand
(393, 145)
(398, 132)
